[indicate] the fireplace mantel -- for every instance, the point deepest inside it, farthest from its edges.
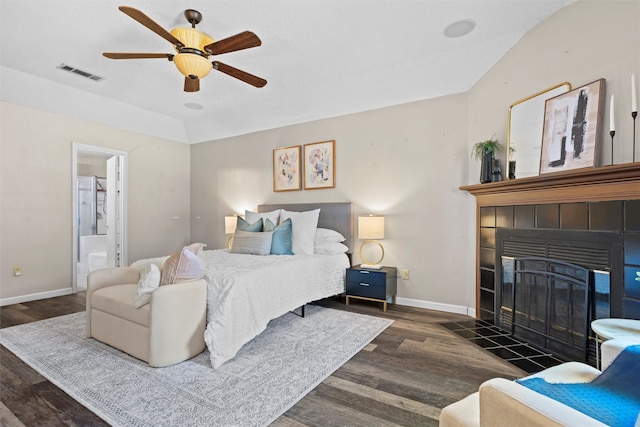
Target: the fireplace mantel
(615, 182)
(570, 199)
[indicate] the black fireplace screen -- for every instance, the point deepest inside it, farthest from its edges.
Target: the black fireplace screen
(549, 304)
(564, 279)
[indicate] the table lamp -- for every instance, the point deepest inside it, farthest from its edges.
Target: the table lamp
(371, 229)
(230, 222)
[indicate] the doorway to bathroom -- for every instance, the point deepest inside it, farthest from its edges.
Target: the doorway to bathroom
(99, 206)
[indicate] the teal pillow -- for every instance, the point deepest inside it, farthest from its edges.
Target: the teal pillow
(245, 226)
(281, 241)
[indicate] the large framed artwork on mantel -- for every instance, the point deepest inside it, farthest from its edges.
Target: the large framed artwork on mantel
(319, 165)
(571, 131)
(286, 168)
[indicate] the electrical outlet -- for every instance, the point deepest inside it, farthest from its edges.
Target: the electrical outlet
(404, 274)
(17, 270)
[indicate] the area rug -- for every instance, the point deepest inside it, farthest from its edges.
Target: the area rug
(268, 376)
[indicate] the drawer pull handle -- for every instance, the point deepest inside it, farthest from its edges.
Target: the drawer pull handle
(364, 284)
(364, 272)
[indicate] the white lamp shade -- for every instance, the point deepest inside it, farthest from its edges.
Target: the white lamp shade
(371, 227)
(230, 222)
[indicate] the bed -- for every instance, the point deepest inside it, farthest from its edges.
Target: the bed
(245, 292)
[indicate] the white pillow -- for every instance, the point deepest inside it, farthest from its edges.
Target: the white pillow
(197, 248)
(149, 282)
(184, 265)
(273, 216)
(304, 229)
(254, 243)
(330, 248)
(327, 235)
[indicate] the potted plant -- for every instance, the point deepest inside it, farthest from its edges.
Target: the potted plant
(485, 151)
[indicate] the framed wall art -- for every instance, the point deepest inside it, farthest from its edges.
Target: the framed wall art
(571, 131)
(286, 168)
(524, 130)
(319, 165)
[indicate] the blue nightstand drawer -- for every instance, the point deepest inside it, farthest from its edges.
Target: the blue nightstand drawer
(372, 277)
(364, 289)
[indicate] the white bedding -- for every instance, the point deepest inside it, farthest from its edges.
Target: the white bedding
(246, 291)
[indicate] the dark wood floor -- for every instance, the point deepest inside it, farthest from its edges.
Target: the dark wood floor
(404, 377)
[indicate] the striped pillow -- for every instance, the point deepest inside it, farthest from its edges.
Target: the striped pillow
(246, 242)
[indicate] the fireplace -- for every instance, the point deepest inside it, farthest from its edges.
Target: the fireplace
(589, 218)
(553, 283)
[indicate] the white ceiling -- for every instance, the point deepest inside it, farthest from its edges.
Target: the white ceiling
(321, 58)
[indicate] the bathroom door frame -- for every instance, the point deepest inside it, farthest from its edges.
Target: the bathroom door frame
(77, 149)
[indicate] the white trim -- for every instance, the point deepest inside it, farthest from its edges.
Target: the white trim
(431, 305)
(84, 148)
(34, 297)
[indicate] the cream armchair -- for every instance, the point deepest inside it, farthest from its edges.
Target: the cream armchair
(168, 330)
(504, 403)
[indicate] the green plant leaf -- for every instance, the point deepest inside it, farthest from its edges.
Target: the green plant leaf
(487, 146)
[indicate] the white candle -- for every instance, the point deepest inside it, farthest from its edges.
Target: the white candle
(612, 121)
(634, 101)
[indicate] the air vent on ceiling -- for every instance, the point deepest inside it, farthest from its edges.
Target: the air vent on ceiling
(78, 72)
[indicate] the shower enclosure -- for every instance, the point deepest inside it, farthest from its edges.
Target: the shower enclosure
(92, 231)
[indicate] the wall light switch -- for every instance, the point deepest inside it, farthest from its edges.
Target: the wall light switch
(404, 274)
(17, 270)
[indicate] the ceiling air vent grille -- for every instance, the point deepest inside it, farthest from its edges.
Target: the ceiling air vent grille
(78, 72)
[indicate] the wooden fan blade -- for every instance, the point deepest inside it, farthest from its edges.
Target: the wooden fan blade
(191, 85)
(121, 55)
(239, 74)
(150, 24)
(244, 40)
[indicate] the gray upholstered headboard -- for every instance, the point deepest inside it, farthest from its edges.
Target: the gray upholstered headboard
(336, 216)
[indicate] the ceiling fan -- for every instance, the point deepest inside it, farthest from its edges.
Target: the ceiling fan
(193, 49)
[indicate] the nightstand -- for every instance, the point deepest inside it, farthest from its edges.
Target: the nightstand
(372, 285)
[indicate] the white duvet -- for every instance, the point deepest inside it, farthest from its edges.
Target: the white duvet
(246, 291)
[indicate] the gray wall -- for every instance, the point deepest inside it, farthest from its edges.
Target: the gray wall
(586, 41)
(405, 162)
(36, 196)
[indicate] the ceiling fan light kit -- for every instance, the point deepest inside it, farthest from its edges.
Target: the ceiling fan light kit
(192, 65)
(192, 38)
(193, 49)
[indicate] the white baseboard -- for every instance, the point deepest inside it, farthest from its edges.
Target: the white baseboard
(430, 305)
(33, 297)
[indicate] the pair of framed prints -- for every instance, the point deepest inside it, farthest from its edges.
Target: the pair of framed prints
(315, 162)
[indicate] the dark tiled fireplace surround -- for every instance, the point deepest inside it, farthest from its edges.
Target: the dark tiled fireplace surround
(582, 208)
